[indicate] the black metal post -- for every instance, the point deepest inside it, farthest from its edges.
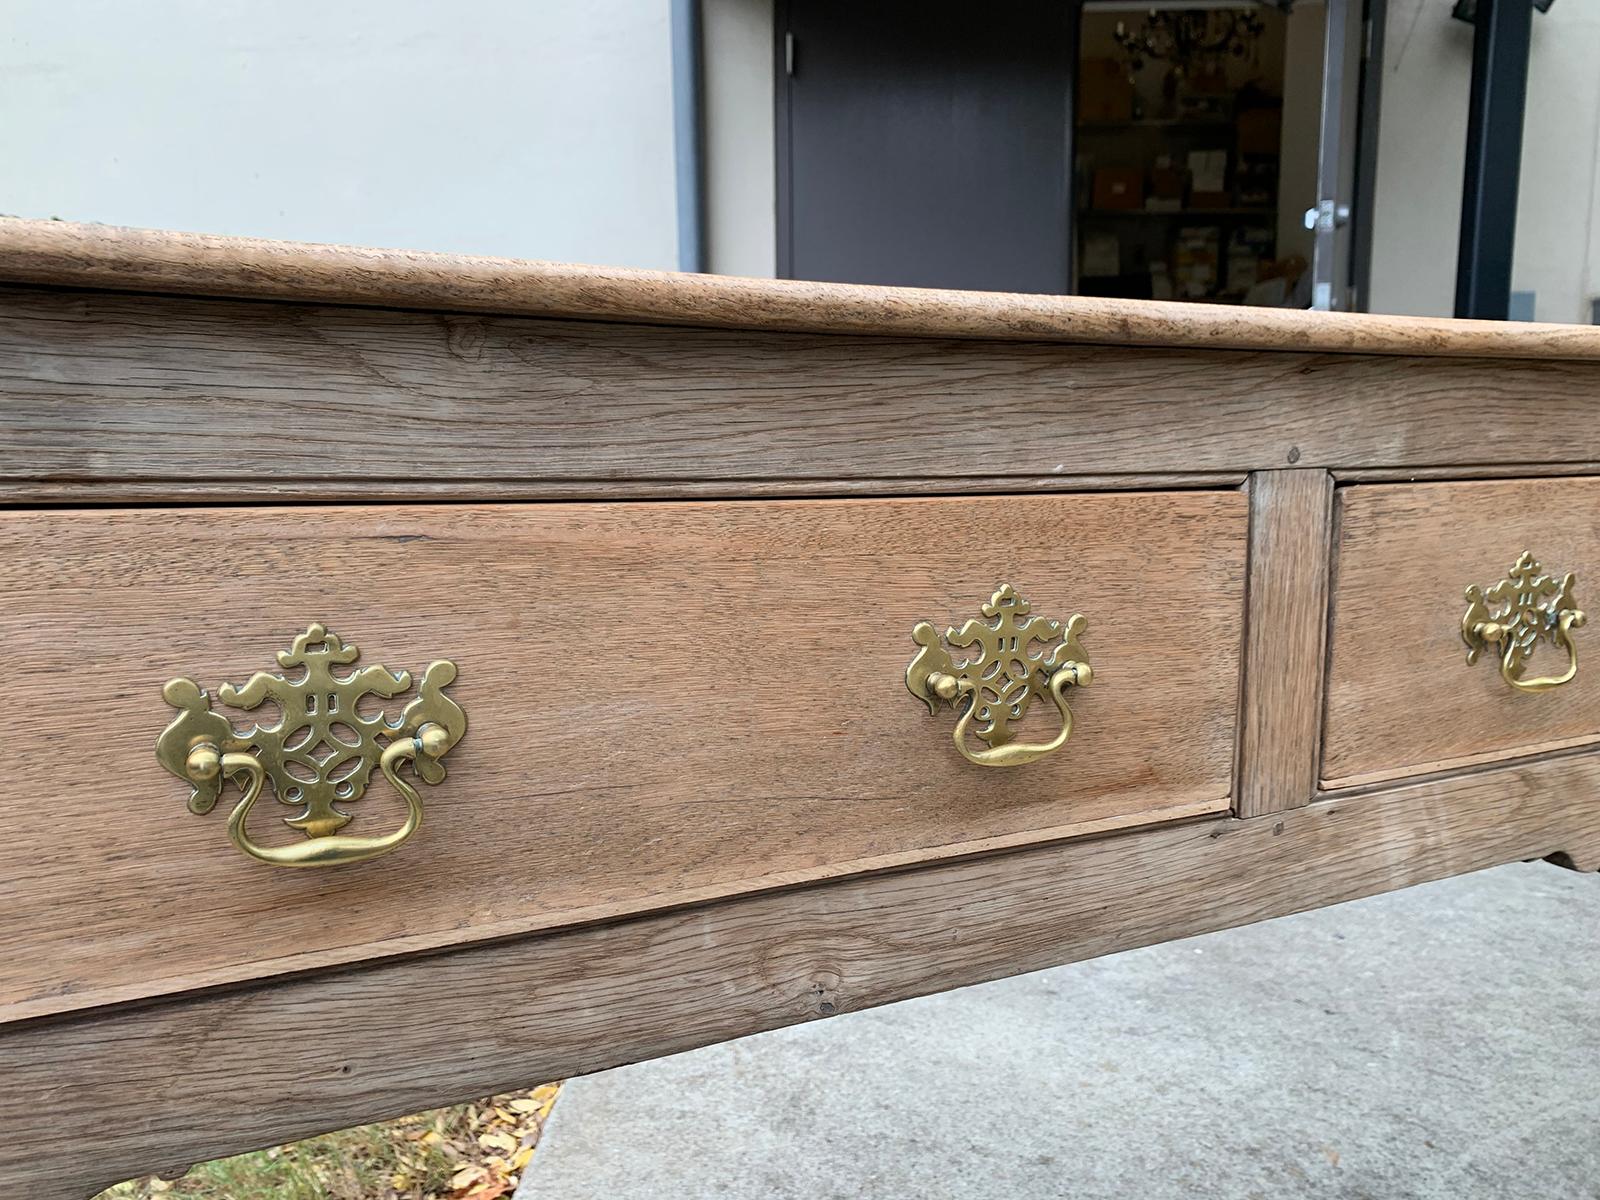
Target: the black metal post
(1368, 105)
(1500, 42)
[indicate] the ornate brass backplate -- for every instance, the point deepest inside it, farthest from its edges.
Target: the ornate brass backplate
(1514, 615)
(1018, 657)
(320, 753)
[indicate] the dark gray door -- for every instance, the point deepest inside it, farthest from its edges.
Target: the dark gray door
(925, 143)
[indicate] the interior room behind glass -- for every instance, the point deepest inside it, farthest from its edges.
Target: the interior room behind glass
(1195, 152)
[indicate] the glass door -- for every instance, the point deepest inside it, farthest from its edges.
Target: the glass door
(1330, 219)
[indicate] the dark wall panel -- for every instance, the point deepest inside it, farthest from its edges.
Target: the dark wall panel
(926, 144)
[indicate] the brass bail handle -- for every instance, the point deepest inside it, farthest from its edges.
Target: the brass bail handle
(321, 752)
(994, 688)
(1514, 615)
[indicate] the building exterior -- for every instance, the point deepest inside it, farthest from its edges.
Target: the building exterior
(525, 129)
(548, 130)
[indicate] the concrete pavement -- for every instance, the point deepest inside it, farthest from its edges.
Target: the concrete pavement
(1437, 1043)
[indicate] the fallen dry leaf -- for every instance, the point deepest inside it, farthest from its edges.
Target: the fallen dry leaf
(467, 1176)
(495, 1140)
(469, 1152)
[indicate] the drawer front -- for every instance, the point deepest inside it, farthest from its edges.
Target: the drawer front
(1402, 698)
(666, 703)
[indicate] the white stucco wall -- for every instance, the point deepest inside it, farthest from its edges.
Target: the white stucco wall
(741, 144)
(543, 128)
(531, 128)
(1558, 215)
(1421, 148)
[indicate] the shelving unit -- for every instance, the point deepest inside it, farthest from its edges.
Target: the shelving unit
(1180, 214)
(1151, 237)
(1157, 123)
(1185, 113)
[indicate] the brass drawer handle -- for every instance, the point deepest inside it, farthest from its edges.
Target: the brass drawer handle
(320, 753)
(1000, 682)
(1514, 614)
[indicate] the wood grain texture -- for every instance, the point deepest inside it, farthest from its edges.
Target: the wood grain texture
(1401, 698)
(1280, 723)
(128, 391)
(667, 702)
(385, 491)
(102, 256)
(1463, 471)
(213, 1075)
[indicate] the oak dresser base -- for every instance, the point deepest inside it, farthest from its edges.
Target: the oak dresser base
(1262, 477)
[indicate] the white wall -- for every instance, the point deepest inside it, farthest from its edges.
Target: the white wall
(543, 129)
(1421, 149)
(1558, 213)
(529, 128)
(741, 180)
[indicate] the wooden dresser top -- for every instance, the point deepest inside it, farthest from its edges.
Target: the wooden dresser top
(62, 253)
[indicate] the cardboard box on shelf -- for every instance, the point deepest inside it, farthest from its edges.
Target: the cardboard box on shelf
(1208, 170)
(1166, 183)
(1160, 282)
(1259, 130)
(1105, 93)
(1195, 261)
(1255, 181)
(1118, 187)
(1102, 255)
(1250, 250)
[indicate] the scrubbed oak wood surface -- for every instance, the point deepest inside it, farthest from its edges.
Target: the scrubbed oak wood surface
(655, 835)
(1401, 699)
(666, 702)
(109, 256)
(108, 396)
(214, 1075)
